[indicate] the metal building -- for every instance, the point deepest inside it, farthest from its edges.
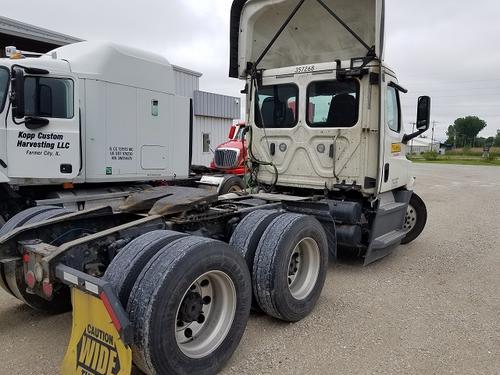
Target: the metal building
(27, 37)
(213, 114)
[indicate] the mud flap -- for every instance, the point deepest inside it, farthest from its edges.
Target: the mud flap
(97, 345)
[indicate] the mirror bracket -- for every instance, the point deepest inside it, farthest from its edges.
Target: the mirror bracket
(408, 137)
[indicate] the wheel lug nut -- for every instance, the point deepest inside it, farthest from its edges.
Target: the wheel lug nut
(188, 333)
(207, 300)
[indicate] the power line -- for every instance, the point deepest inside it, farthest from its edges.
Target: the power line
(437, 81)
(457, 96)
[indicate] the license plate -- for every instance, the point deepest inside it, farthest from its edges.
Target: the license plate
(95, 346)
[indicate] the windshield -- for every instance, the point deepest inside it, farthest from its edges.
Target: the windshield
(48, 97)
(239, 134)
(4, 86)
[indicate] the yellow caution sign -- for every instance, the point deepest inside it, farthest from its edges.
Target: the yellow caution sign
(95, 346)
(396, 148)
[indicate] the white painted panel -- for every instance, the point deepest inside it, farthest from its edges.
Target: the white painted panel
(185, 84)
(95, 121)
(153, 157)
(154, 120)
(217, 128)
(121, 129)
(178, 154)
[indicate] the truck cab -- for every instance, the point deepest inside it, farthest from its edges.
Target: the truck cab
(230, 157)
(325, 113)
(85, 120)
(32, 146)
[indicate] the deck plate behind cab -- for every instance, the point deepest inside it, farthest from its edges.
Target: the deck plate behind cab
(167, 200)
(95, 346)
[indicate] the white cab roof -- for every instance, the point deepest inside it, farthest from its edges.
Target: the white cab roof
(120, 64)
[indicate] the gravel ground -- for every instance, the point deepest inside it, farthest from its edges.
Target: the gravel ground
(432, 307)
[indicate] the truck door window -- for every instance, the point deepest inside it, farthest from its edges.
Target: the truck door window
(276, 106)
(333, 104)
(392, 112)
(48, 97)
(4, 86)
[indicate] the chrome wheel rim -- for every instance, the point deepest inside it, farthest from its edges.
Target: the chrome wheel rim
(410, 219)
(303, 268)
(205, 314)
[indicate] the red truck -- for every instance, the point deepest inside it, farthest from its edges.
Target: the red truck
(230, 157)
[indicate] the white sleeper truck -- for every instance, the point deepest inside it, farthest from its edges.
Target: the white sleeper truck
(167, 281)
(88, 123)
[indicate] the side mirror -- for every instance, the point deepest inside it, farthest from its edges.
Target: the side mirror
(17, 92)
(232, 132)
(424, 113)
(423, 118)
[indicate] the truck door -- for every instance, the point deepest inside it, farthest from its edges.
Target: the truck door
(395, 164)
(51, 150)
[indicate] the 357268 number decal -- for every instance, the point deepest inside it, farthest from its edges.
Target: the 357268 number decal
(305, 69)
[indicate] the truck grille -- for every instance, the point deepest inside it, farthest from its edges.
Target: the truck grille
(226, 158)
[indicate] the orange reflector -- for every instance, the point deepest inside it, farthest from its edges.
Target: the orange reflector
(68, 185)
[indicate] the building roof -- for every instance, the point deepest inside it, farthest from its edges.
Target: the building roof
(190, 72)
(27, 31)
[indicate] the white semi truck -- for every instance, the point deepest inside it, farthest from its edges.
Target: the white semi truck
(89, 123)
(168, 281)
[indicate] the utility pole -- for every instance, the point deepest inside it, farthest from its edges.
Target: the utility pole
(413, 124)
(433, 129)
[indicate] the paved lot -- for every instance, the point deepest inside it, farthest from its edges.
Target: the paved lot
(432, 307)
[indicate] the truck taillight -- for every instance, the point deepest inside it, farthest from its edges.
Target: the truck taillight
(47, 288)
(30, 279)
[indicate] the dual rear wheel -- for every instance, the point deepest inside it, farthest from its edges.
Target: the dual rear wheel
(288, 256)
(12, 278)
(188, 299)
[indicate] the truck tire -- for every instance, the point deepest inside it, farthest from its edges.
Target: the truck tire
(22, 217)
(232, 184)
(290, 267)
(189, 307)
(130, 261)
(17, 221)
(415, 219)
(247, 235)
(61, 299)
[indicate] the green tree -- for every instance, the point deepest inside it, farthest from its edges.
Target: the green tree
(469, 127)
(451, 135)
(497, 140)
